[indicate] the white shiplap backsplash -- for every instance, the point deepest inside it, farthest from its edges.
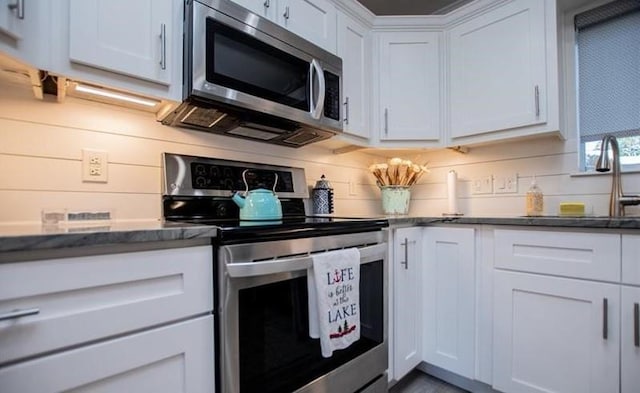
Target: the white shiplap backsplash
(41, 149)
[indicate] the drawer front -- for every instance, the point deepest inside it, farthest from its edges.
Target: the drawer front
(631, 259)
(174, 358)
(570, 254)
(88, 298)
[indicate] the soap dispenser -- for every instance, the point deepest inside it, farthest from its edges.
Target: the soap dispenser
(535, 199)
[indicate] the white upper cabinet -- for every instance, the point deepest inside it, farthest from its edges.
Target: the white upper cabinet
(503, 73)
(409, 87)
(25, 31)
(354, 43)
(12, 14)
(128, 37)
(134, 46)
(313, 20)
(266, 8)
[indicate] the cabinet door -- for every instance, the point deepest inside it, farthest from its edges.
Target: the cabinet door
(25, 31)
(354, 45)
(266, 8)
(448, 297)
(554, 334)
(407, 305)
(12, 14)
(314, 20)
(497, 77)
(630, 340)
(409, 86)
(124, 36)
(174, 358)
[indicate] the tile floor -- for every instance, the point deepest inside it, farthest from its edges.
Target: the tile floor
(419, 382)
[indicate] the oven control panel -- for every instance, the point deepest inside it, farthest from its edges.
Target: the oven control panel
(231, 178)
(201, 176)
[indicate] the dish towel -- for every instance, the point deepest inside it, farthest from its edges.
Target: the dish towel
(333, 283)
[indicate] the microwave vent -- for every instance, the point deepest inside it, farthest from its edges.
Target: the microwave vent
(303, 138)
(203, 117)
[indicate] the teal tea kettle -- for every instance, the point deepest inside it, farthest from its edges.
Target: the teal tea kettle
(258, 204)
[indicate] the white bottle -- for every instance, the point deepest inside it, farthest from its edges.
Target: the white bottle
(535, 199)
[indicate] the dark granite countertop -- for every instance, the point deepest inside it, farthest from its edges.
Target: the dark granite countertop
(39, 237)
(544, 221)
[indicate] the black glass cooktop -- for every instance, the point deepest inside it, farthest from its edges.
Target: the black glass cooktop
(295, 224)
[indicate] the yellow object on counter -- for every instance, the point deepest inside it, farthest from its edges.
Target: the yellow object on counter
(571, 209)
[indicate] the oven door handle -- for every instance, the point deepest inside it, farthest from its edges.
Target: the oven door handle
(251, 269)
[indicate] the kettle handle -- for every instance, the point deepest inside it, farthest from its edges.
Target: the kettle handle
(275, 183)
(244, 179)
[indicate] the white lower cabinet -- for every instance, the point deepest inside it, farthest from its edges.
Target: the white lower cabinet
(135, 321)
(630, 340)
(174, 358)
(407, 317)
(555, 334)
(448, 297)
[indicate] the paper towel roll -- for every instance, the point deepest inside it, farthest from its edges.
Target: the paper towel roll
(452, 197)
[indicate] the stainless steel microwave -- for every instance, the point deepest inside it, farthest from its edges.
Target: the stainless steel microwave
(248, 77)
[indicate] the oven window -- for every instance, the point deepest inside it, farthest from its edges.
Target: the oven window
(276, 353)
(241, 62)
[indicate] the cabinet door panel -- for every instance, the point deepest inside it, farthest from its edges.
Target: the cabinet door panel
(10, 22)
(549, 334)
(122, 36)
(498, 70)
(314, 20)
(410, 86)
(174, 358)
(82, 299)
(353, 47)
(265, 8)
(407, 305)
(449, 301)
(571, 254)
(630, 340)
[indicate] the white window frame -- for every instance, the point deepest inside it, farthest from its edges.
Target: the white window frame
(568, 86)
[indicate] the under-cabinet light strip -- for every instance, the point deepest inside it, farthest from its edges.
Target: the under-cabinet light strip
(115, 95)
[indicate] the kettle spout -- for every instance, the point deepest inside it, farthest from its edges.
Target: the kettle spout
(238, 199)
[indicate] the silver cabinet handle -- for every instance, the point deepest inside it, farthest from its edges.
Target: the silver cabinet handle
(286, 12)
(405, 244)
(19, 7)
(406, 253)
(346, 110)
(536, 91)
(605, 318)
(19, 313)
(636, 325)
(163, 46)
(386, 121)
(267, 3)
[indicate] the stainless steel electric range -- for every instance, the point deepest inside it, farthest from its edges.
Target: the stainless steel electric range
(262, 334)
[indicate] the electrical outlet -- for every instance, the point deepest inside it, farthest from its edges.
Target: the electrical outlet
(483, 185)
(94, 166)
(352, 188)
(506, 184)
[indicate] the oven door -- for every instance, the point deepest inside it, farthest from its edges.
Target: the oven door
(265, 334)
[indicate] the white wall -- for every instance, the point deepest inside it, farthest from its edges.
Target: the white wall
(41, 146)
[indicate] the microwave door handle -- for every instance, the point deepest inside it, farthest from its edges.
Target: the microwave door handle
(316, 109)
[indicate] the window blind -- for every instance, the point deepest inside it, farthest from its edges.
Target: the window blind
(608, 51)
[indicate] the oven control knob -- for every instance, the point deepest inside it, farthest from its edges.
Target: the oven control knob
(221, 211)
(201, 181)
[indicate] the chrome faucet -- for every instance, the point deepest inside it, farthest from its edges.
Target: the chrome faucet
(618, 200)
